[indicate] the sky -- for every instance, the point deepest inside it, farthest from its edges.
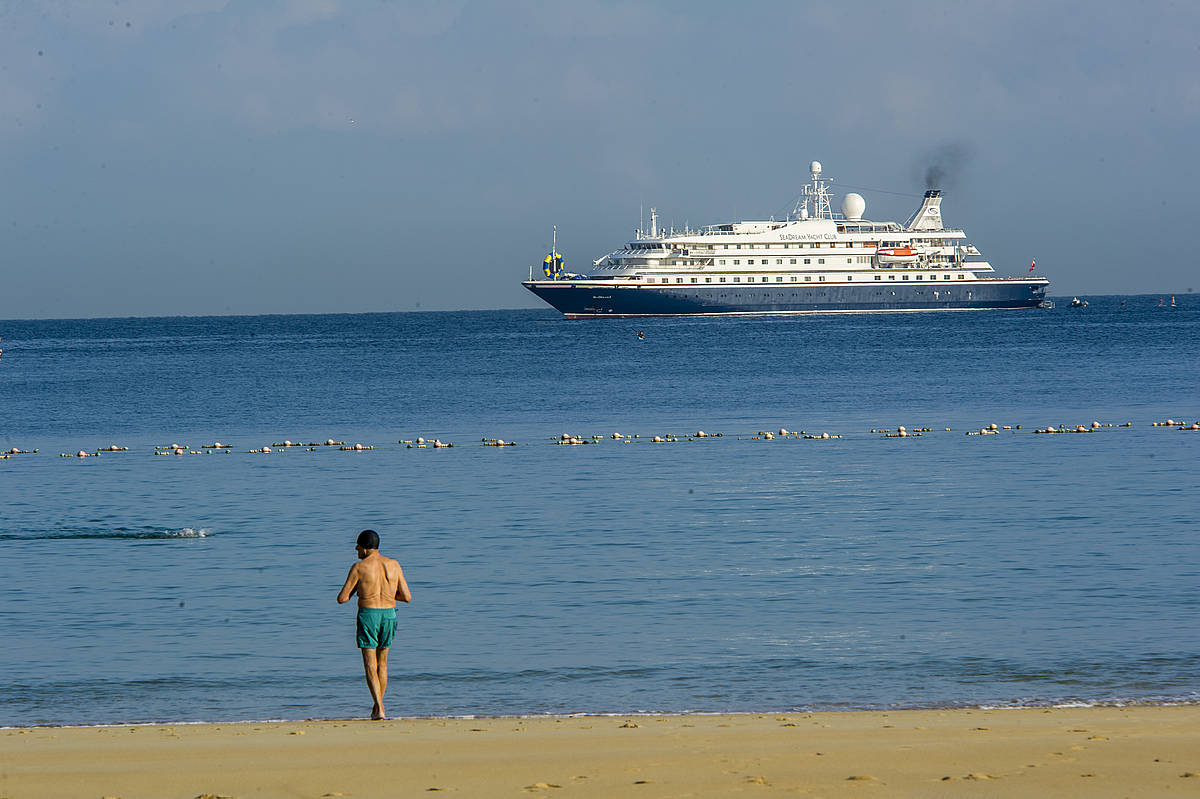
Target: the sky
(196, 157)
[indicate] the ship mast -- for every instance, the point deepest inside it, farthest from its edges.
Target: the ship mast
(818, 192)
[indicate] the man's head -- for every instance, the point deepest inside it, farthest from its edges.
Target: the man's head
(367, 541)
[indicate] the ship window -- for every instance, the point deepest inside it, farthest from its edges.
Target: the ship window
(694, 280)
(821, 278)
(961, 277)
(849, 261)
(849, 277)
(808, 260)
(765, 278)
(778, 279)
(904, 277)
(891, 277)
(721, 261)
(738, 246)
(721, 279)
(808, 278)
(678, 280)
(918, 277)
(737, 261)
(879, 277)
(737, 280)
(708, 280)
(726, 246)
(764, 261)
(778, 260)
(820, 260)
(793, 278)
(749, 246)
(793, 261)
(945, 277)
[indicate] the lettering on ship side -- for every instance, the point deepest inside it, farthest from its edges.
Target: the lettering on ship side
(806, 236)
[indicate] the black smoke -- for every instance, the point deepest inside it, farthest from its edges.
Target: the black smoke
(943, 166)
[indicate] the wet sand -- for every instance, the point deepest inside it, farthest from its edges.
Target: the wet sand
(1085, 752)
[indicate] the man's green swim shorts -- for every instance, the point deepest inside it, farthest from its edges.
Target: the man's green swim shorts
(376, 627)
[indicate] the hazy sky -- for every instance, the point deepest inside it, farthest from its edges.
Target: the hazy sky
(212, 157)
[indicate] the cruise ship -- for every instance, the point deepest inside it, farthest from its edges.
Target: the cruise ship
(815, 261)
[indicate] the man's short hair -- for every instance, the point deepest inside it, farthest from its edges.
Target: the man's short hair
(368, 539)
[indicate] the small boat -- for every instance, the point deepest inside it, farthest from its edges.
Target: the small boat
(1078, 303)
(1046, 304)
(1173, 301)
(896, 255)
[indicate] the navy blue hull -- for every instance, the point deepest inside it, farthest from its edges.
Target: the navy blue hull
(596, 298)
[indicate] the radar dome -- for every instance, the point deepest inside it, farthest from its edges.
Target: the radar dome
(815, 168)
(853, 206)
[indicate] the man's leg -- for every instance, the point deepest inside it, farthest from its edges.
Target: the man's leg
(381, 671)
(371, 667)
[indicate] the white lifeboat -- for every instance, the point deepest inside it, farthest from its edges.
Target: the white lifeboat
(896, 255)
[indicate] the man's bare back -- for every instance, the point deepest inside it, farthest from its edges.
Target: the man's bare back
(378, 580)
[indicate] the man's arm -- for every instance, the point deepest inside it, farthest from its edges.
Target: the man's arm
(402, 592)
(350, 587)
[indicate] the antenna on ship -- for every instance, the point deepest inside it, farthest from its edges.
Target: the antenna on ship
(818, 192)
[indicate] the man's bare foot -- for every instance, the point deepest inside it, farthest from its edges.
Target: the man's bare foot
(377, 713)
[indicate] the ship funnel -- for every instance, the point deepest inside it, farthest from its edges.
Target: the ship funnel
(929, 215)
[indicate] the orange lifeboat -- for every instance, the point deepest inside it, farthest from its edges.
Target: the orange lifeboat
(896, 255)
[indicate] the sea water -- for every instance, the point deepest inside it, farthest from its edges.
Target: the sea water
(723, 573)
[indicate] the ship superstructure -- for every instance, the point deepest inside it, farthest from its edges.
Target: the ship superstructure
(815, 261)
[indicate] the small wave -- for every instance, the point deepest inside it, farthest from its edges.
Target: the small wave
(118, 533)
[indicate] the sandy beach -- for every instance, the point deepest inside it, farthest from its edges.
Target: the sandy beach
(1092, 752)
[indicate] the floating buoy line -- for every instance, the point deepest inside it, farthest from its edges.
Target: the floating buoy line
(593, 439)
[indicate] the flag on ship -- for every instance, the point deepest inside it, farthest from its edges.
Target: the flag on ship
(1032, 264)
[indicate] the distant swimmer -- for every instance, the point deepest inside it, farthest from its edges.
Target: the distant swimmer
(1122, 303)
(379, 582)
(641, 336)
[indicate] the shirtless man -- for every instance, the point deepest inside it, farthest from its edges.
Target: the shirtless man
(379, 582)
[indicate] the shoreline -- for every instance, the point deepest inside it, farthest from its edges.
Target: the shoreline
(1093, 751)
(647, 714)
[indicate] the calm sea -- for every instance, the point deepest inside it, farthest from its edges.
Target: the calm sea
(720, 574)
